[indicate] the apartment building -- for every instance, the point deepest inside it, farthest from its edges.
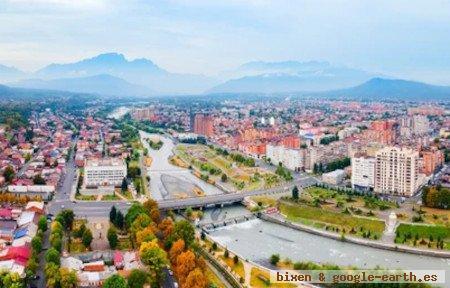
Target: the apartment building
(104, 172)
(363, 173)
(293, 159)
(203, 125)
(396, 171)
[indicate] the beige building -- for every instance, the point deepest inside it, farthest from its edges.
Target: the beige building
(397, 171)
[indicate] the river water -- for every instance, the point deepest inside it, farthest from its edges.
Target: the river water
(257, 240)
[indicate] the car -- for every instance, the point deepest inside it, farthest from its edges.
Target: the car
(170, 272)
(74, 201)
(62, 206)
(175, 284)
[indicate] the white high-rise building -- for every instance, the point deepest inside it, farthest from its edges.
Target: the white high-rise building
(272, 121)
(363, 173)
(420, 124)
(104, 172)
(293, 159)
(397, 171)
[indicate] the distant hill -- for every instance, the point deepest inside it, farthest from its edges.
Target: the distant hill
(142, 72)
(99, 84)
(9, 74)
(19, 94)
(290, 76)
(392, 89)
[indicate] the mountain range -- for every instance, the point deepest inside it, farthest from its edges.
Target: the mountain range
(112, 74)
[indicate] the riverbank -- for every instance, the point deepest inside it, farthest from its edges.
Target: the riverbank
(373, 244)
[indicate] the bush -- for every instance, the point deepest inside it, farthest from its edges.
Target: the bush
(274, 259)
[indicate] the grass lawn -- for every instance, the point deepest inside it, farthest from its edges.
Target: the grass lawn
(213, 279)
(85, 197)
(111, 198)
(238, 268)
(208, 161)
(335, 221)
(423, 235)
(260, 278)
(265, 200)
(436, 216)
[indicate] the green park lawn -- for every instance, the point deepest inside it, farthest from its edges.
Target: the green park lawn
(333, 221)
(423, 235)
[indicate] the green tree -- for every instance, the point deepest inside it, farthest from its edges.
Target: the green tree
(52, 256)
(112, 238)
(124, 184)
(295, 193)
(138, 278)
(42, 224)
(115, 281)
(224, 177)
(66, 217)
(274, 259)
(87, 238)
(9, 174)
(184, 230)
(113, 214)
(38, 180)
(154, 257)
(36, 244)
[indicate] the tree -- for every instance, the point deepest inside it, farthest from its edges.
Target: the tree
(112, 238)
(52, 274)
(36, 244)
(184, 230)
(120, 221)
(42, 224)
(135, 210)
(176, 249)
(68, 279)
(166, 226)
(145, 235)
(52, 256)
(224, 177)
(67, 217)
(154, 257)
(295, 193)
(274, 259)
(196, 279)
(185, 263)
(87, 238)
(138, 278)
(113, 214)
(38, 180)
(124, 184)
(115, 281)
(9, 174)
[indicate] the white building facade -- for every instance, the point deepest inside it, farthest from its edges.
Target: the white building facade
(104, 172)
(363, 173)
(293, 159)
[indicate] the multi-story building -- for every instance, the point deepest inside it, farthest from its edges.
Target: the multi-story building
(293, 159)
(397, 171)
(420, 125)
(203, 125)
(363, 173)
(432, 159)
(104, 172)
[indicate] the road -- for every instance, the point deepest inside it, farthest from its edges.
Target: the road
(87, 209)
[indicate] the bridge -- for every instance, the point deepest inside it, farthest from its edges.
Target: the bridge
(224, 199)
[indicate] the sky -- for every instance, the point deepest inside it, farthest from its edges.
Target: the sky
(403, 38)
